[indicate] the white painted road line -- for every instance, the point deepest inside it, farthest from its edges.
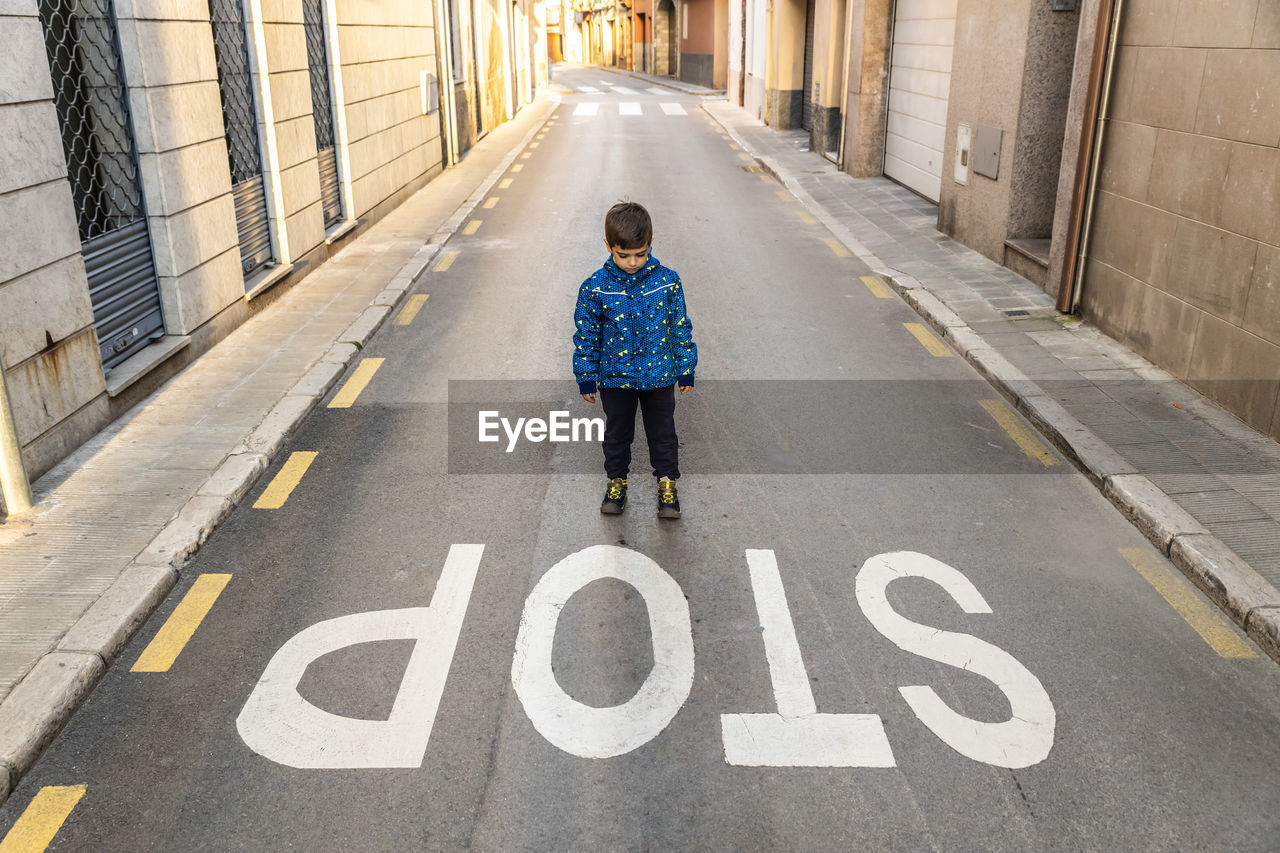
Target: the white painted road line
(584, 730)
(796, 736)
(674, 110)
(279, 724)
(1026, 738)
(786, 667)
(586, 109)
(629, 108)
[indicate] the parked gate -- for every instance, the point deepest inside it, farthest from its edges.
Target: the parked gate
(102, 165)
(322, 111)
(240, 120)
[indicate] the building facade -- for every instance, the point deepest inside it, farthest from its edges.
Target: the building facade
(172, 165)
(1122, 154)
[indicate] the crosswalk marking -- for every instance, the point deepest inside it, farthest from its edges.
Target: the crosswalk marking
(657, 90)
(629, 108)
(590, 90)
(623, 90)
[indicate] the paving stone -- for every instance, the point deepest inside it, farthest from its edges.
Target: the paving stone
(1223, 505)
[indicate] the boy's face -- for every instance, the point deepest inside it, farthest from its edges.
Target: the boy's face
(629, 260)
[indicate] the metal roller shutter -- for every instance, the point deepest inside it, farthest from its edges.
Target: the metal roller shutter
(102, 167)
(240, 120)
(322, 111)
(806, 109)
(919, 86)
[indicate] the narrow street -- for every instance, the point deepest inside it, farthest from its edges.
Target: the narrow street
(891, 617)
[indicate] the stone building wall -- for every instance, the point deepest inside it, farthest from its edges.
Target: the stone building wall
(1184, 258)
(59, 390)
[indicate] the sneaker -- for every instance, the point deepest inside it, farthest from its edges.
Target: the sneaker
(668, 500)
(615, 496)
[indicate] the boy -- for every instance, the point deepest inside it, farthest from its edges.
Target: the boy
(634, 344)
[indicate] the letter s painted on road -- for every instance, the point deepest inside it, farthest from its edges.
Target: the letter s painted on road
(1021, 741)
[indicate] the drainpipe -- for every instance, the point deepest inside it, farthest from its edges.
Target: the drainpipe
(1089, 159)
(13, 476)
(844, 83)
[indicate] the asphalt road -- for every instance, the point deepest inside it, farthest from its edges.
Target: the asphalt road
(881, 624)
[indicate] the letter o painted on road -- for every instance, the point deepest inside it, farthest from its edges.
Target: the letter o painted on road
(604, 732)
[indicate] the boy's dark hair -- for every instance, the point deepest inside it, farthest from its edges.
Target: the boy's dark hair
(627, 226)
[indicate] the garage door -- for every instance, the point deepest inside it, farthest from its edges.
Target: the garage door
(919, 82)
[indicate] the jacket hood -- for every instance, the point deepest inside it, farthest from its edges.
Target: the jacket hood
(627, 279)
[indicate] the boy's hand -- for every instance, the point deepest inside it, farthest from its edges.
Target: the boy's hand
(685, 389)
(590, 398)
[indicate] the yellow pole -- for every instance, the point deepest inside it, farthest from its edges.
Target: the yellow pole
(14, 487)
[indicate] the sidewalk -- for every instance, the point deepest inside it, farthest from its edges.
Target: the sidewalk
(116, 520)
(1202, 486)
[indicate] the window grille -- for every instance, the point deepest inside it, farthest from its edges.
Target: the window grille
(240, 120)
(91, 101)
(322, 111)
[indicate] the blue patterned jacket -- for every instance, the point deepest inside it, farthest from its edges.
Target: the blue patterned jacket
(632, 330)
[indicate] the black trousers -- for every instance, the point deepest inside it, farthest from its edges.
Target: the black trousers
(658, 408)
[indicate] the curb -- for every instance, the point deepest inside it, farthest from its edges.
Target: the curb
(38, 706)
(1231, 583)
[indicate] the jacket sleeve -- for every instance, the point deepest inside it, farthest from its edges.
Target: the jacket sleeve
(683, 348)
(586, 340)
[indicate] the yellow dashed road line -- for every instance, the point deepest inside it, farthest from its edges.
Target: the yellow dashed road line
(876, 287)
(286, 480)
(42, 819)
(1023, 436)
(927, 340)
(1211, 627)
(806, 217)
(746, 157)
(785, 195)
(473, 226)
(363, 373)
(733, 146)
(505, 182)
(447, 259)
(178, 629)
(491, 202)
(836, 246)
(517, 167)
(526, 155)
(411, 309)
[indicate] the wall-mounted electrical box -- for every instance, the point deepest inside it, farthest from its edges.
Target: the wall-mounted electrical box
(986, 151)
(964, 150)
(1062, 5)
(430, 92)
